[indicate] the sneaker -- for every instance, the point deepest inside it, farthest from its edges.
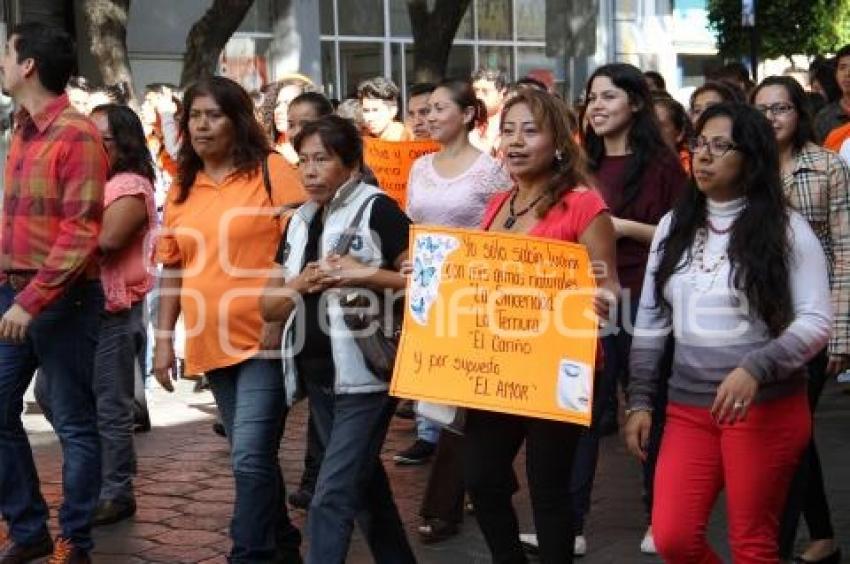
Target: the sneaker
(301, 499)
(580, 546)
(529, 542)
(418, 453)
(647, 545)
(112, 511)
(64, 552)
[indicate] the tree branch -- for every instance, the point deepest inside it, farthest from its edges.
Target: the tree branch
(208, 37)
(433, 34)
(107, 23)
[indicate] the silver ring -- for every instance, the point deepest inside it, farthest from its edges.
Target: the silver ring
(738, 405)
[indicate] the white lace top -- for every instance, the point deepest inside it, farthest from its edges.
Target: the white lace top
(454, 202)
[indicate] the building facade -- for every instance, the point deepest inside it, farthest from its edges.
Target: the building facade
(340, 42)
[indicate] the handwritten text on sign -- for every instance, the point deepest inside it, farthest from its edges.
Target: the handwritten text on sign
(390, 161)
(498, 322)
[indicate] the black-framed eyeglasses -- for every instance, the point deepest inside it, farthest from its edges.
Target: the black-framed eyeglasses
(777, 109)
(717, 147)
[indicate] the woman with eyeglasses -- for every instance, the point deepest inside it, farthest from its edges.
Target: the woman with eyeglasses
(741, 280)
(640, 178)
(816, 184)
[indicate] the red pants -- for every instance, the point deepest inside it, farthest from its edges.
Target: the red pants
(754, 460)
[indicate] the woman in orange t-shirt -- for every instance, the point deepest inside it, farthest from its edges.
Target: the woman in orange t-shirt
(222, 228)
(675, 126)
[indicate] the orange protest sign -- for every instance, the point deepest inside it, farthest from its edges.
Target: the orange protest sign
(391, 162)
(498, 322)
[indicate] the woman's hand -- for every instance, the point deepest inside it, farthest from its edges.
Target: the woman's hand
(164, 364)
(345, 270)
(603, 303)
(313, 279)
(637, 432)
(734, 396)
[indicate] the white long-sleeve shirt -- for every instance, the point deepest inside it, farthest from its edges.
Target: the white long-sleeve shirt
(714, 329)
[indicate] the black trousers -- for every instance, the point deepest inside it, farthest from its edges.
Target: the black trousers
(492, 442)
(807, 494)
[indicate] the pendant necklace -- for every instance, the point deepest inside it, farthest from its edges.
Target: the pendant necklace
(513, 215)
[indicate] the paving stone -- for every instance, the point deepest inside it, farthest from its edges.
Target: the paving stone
(178, 554)
(190, 537)
(153, 515)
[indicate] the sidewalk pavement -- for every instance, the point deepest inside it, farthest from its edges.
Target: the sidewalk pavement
(185, 489)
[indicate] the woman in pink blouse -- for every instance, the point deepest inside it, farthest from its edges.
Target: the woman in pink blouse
(450, 187)
(128, 217)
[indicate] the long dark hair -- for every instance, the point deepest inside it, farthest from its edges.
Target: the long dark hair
(129, 139)
(804, 132)
(569, 166)
(759, 245)
(644, 139)
(250, 144)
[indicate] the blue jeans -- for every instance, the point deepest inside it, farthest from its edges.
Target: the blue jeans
(61, 342)
(352, 483)
(116, 368)
(251, 401)
(427, 430)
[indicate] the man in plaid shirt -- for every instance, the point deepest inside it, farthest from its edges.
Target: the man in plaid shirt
(50, 295)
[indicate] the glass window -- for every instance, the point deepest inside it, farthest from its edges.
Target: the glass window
(326, 17)
(533, 60)
(531, 20)
(329, 69)
(400, 20)
(259, 18)
(395, 55)
(361, 17)
(627, 9)
(461, 61)
(494, 19)
(359, 61)
(497, 57)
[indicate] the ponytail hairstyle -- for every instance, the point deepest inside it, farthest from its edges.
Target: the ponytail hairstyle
(464, 96)
(569, 166)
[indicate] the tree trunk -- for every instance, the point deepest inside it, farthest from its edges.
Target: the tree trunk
(208, 37)
(107, 22)
(433, 34)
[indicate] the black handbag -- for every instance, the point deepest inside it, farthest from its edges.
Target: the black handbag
(374, 320)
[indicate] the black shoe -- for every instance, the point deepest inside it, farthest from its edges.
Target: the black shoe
(218, 429)
(301, 499)
(13, 553)
(834, 558)
(418, 453)
(142, 424)
(405, 410)
(112, 511)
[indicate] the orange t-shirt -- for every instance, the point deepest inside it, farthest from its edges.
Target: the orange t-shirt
(224, 237)
(837, 137)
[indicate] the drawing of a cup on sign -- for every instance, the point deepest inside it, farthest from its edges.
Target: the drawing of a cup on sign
(573, 390)
(430, 254)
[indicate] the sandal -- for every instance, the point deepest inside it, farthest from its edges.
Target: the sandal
(434, 530)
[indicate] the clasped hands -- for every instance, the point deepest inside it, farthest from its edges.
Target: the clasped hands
(333, 272)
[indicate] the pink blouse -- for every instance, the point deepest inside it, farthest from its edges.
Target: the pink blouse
(124, 274)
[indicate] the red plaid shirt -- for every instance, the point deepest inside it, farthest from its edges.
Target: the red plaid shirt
(53, 201)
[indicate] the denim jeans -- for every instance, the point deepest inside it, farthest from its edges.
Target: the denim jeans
(116, 369)
(427, 430)
(352, 482)
(60, 341)
(251, 401)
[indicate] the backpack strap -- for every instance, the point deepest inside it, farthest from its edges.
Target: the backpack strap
(344, 244)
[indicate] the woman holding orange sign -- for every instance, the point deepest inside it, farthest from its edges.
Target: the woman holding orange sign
(551, 181)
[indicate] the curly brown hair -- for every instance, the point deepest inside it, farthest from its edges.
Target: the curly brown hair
(270, 92)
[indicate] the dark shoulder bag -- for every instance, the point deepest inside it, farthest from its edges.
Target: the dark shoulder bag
(374, 324)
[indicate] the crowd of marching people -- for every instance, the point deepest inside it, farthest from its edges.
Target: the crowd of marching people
(182, 236)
